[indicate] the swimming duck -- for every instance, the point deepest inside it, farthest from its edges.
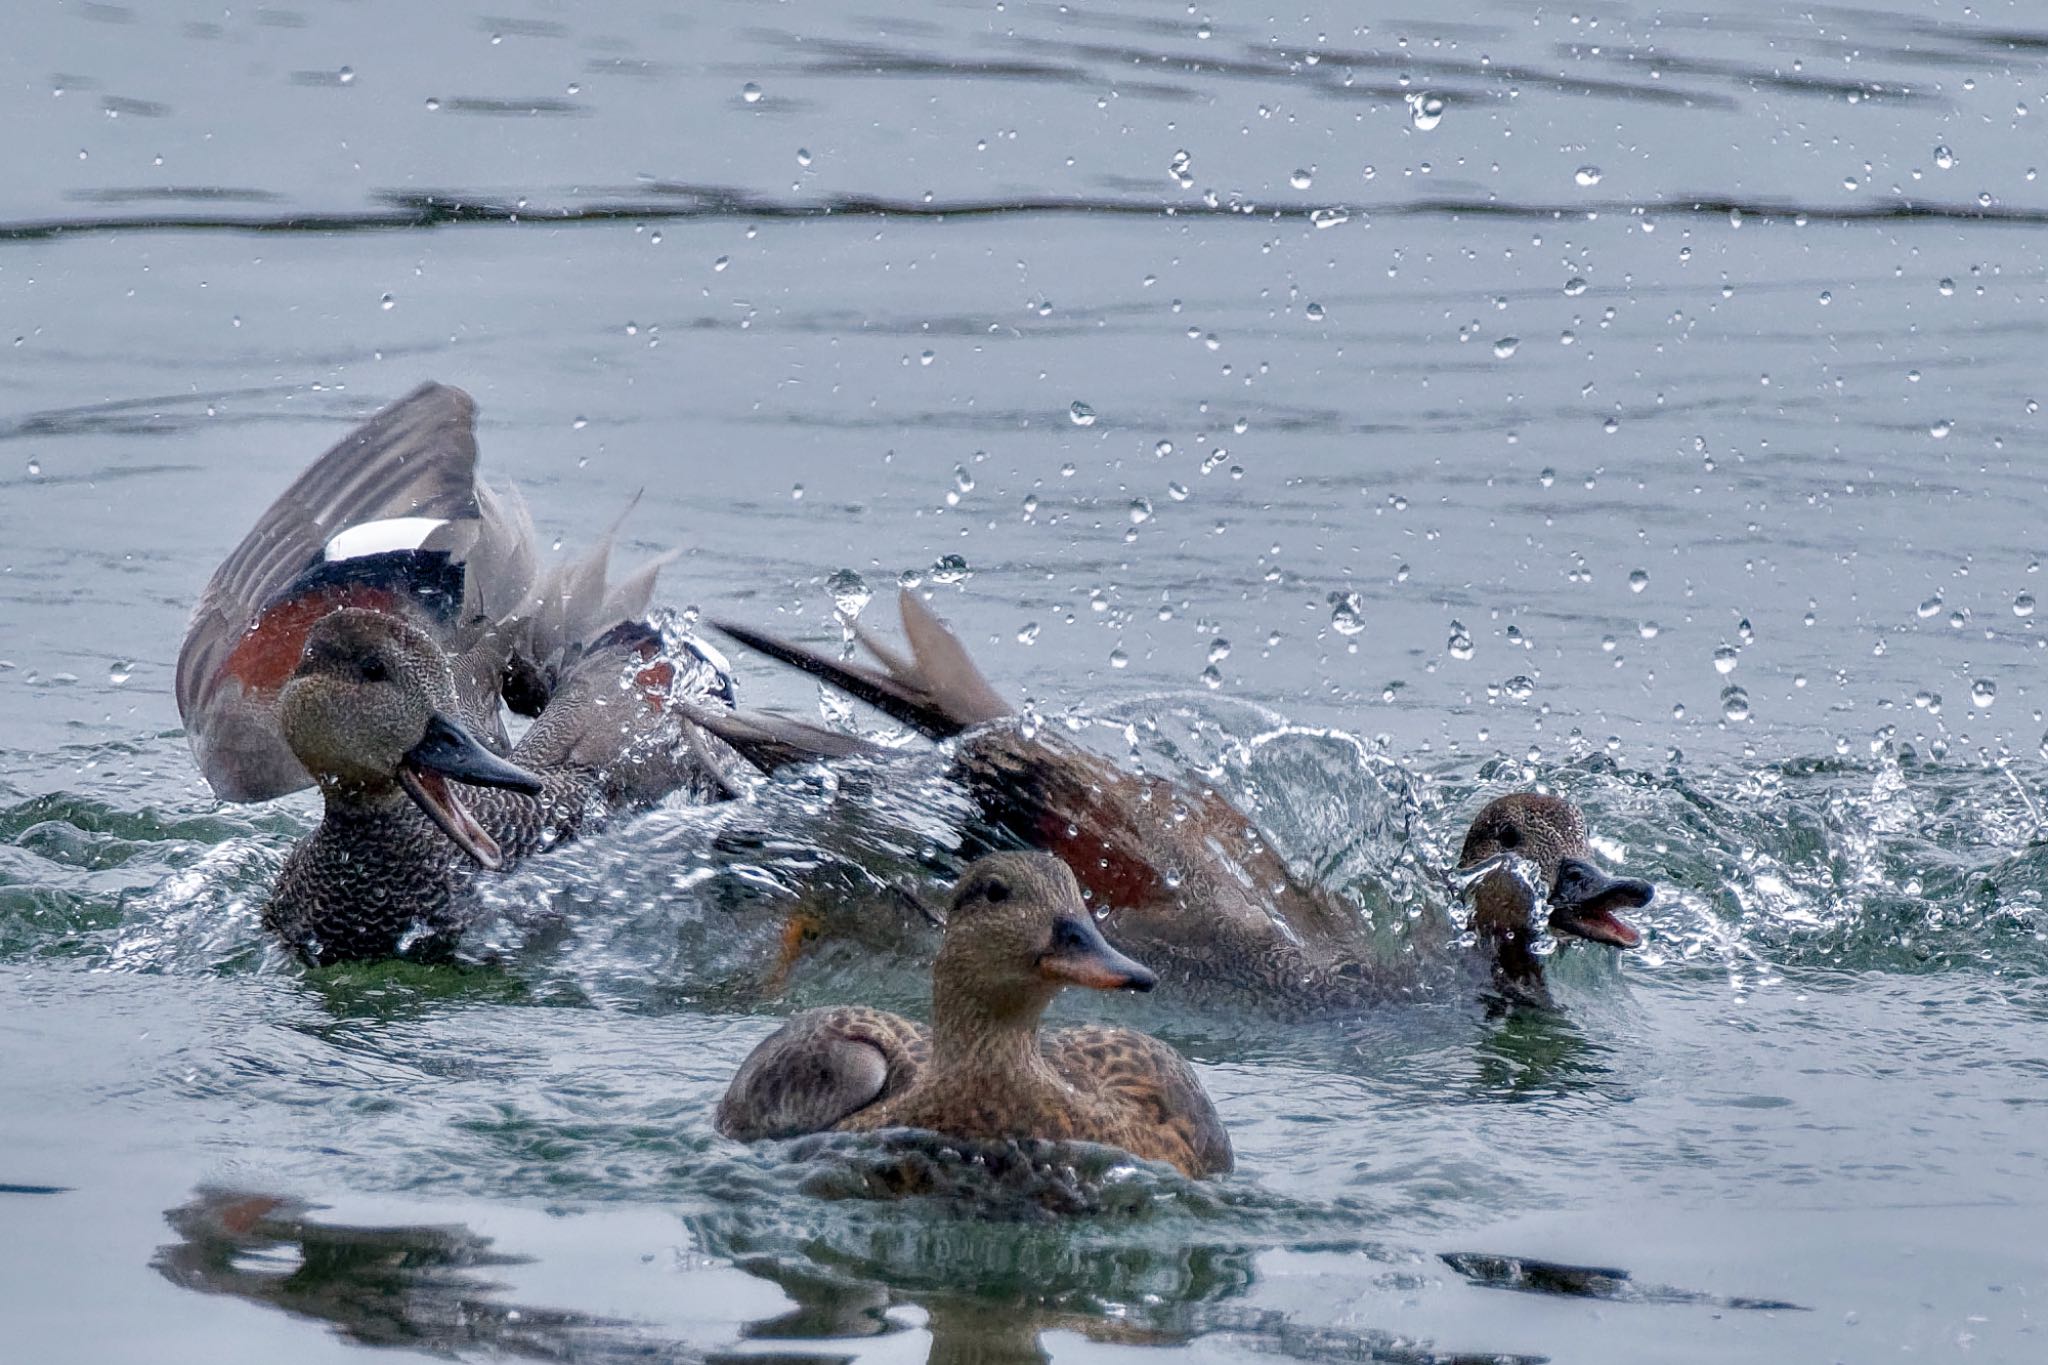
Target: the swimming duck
(1017, 932)
(367, 636)
(1184, 878)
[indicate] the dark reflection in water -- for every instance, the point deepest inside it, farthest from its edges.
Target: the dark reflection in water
(421, 1285)
(430, 1287)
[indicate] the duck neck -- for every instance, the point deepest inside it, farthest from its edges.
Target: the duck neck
(978, 1031)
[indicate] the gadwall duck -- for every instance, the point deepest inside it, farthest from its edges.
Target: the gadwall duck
(1184, 878)
(368, 636)
(1016, 933)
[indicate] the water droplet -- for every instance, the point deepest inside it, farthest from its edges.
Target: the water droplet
(1081, 415)
(387, 303)
(1734, 703)
(1460, 643)
(1219, 650)
(432, 104)
(796, 492)
(1648, 630)
(1328, 218)
(751, 93)
(1944, 158)
(119, 672)
(1725, 659)
(1575, 286)
(1983, 692)
(1346, 610)
(1587, 176)
(2023, 605)
(1546, 476)
(346, 75)
(1180, 170)
(1947, 287)
(1425, 110)
(926, 357)
(1638, 579)
(579, 424)
(803, 156)
(1141, 511)
(35, 469)
(1521, 687)
(1028, 635)
(1314, 312)
(1119, 659)
(1941, 429)
(1505, 347)
(850, 593)
(1212, 677)
(1301, 180)
(950, 569)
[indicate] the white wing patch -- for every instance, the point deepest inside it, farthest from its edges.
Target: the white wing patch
(382, 537)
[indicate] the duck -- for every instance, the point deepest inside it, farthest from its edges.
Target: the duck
(1016, 933)
(368, 637)
(1186, 879)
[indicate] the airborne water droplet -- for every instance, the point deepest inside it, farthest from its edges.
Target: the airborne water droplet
(1460, 643)
(1638, 579)
(1725, 659)
(1119, 659)
(2023, 605)
(1983, 692)
(850, 593)
(1505, 347)
(1425, 110)
(1734, 703)
(1301, 180)
(1081, 415)
(1587, 176)
(751, 93)
(1345, 613)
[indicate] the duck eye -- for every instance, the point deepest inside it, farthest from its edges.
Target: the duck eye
(995, 891)
(1509, 837)
(373, 670)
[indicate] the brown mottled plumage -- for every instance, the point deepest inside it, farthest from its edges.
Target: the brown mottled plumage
(1185, 879)
(1017, 932)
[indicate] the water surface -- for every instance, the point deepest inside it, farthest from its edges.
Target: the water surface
(1374, 417)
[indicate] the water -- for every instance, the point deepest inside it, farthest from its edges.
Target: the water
(1588, 398)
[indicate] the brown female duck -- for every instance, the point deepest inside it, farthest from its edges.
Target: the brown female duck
(1016, 933)
(1185, 879)
(368, 634)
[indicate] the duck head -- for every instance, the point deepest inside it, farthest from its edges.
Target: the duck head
(1017, 932)
(1527, 850)
(369, 711)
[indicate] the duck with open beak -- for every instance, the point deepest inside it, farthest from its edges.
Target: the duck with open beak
(1528, 850)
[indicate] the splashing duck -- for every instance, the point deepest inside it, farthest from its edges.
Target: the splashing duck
(367, 637)
(1186, 880)
(1017, 932)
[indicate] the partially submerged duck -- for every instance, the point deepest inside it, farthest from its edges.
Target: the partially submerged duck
(1016, 933)
(368, 635)
(1183, 877)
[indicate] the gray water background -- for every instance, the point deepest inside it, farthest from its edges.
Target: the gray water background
(1782, 355)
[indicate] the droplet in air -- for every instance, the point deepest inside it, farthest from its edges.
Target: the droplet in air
(751, 93)
(850, 593)
(1941, 429)
(1575, 286)
(1983, 692)
(1944, 158)
(1219, 650)
(1346, 613)
(387, 303)
(950, 569)
(1314, 312)
(2023, 605)
(1119, 659)
(346, 75)
(1587, 176)
(1081, 415)
(1521, 687)
(1505, 347)
(119, 672)
(1460, 643)
(1725, 659)
(1425, 110)
(1638, 579)
(1301, 180)
(1028, 635)
(1734, 703)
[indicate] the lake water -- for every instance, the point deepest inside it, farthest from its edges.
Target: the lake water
(1375, 415)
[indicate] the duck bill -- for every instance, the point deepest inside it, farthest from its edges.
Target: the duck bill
(447, 754)
(1585, 899)
(1091, 962)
